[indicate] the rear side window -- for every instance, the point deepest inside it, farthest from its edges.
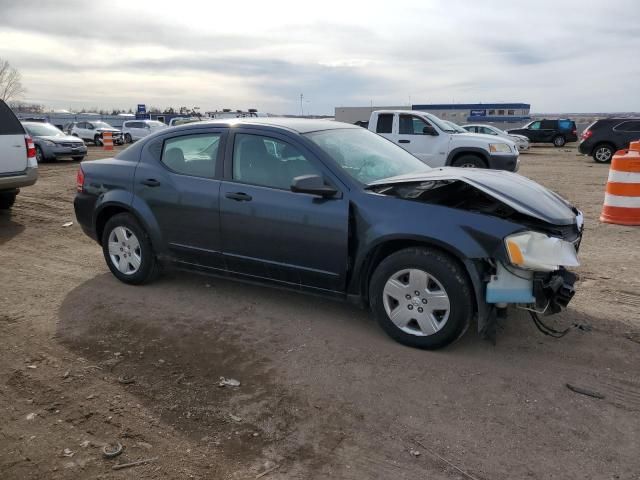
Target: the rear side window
(385, 123)
(193, 155)
(630, 126)
(566, 124)
(9, 124)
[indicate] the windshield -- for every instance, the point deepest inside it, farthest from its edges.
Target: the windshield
(365, 156)
(43, 130)
(101, 125)
(154, 124)
(454, 127)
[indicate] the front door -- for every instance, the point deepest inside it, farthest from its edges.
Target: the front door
(176, 180)
(270, 232)
(431, 149)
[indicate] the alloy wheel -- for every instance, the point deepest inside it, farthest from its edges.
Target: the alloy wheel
(416, 302)
(124, 250)
(603, 154)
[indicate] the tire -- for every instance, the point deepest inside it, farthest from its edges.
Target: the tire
(559, 141)
(141, 266)
(127, 138)
(97, 141)
(39, 155)
(75, 135)
(469, 161)
(442, 277)
(7, 200)
(78, 159)
(603, 153)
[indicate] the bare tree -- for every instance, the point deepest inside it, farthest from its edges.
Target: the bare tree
(10, 82)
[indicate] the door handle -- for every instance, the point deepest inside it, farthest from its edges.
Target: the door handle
(150, 182)
(404, 141)
(238, 196)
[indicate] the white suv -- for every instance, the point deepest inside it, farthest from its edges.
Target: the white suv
(136, 129)
(92, 132)
(18, 164)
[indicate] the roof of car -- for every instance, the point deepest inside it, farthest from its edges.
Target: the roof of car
(300, 125)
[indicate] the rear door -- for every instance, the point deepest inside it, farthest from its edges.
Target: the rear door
(272, 233)
(178, 180)
(628, 131)
(13, 150)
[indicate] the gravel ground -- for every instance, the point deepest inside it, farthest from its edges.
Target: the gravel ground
(86, 361)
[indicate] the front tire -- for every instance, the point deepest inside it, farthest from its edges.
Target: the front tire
(7, 200)
(128, 251)
(97, 141)
(469, 161)
(78, 159)
(603, 153)
(559, 141)
(421, 297)
(127, 138)
(39, 155)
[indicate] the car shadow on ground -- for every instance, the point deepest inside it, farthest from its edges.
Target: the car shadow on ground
(8, 227)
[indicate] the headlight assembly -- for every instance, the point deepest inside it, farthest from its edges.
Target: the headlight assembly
(499, 148)
(49, 143)
(539, 252)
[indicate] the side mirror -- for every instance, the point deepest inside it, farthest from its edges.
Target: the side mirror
(429, 130)
(312, 184)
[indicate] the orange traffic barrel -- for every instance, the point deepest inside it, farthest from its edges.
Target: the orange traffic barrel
(622, 198)
(107, 140)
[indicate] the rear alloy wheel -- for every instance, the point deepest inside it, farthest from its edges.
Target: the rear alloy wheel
(7, 200)
(469, 161)
(559, 141)
(603, 153)
(421, 298)
(127, 250)
(97, 141)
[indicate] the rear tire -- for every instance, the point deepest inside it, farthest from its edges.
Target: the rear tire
(442, 286)
(7, 200)
(603, 153)
(469, 161)
(559, 141)
(128, 250)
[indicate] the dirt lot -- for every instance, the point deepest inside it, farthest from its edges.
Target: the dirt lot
(324, 393)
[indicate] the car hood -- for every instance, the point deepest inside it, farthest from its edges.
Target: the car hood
(59, 138)
(485, 137)
(519, 137)
(115, 130)
(518, 192)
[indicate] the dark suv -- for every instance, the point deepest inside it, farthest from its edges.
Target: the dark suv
(558, 131)
(604, 137)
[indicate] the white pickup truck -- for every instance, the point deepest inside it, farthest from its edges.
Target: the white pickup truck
(437, 144)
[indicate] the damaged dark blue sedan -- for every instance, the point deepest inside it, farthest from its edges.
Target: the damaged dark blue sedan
(333, 209)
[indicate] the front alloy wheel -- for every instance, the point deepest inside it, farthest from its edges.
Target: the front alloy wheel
(421, 297)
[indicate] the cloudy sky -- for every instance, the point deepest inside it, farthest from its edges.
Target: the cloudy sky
(558, 55)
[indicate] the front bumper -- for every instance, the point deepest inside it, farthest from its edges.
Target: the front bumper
(510, 163)
(554, 290)
(22, 179)
(61, 151)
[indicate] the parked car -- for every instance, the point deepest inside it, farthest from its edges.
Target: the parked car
(438, 144)
(333, 209)
(604, 137)
(52, 144)
(521, 141)
(92, 132)
(557, 132)
(136, 129)
(18, 164)
(174, 122)
(68, 127)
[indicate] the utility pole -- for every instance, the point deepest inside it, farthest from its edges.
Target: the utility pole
(301, 108)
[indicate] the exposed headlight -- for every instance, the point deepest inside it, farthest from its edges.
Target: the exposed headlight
(49, 143)
(499, 148)
(537, 251)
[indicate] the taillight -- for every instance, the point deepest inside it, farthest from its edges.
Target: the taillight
(586, 134)
(80, 180)
(31, 148)
(574, 131)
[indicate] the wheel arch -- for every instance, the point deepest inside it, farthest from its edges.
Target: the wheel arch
(604, 143)
(475, 151)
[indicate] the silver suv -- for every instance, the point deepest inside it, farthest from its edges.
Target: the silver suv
(18, 164)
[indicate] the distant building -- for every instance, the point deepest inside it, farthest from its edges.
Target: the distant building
(456, 112)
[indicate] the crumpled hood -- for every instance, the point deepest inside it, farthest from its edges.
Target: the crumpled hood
(518, 192)
(101, 130)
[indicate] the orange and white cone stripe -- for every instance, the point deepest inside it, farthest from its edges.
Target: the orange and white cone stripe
(107, 140)
(622, 197)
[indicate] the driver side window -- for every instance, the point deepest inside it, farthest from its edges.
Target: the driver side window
(534, 126)
(410, 125)
(268, 162)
